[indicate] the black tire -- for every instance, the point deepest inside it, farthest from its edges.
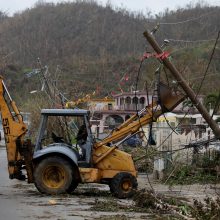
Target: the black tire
(54, 175)
(123, 185)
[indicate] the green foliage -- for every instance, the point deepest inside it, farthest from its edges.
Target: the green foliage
(207, 163)
(187, 104)
(210, 159)
(186, 174)
(210, 100)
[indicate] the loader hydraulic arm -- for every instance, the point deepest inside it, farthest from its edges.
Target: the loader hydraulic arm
(14, 130)
(168, 101)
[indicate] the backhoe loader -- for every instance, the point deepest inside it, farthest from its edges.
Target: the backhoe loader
(53, 163)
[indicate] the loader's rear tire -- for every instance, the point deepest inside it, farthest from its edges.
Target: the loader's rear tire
(123, 185)
(54, 175)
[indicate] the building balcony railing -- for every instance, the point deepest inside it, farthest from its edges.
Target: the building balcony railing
(131, 107)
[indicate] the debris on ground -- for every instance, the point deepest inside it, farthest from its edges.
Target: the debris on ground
(52, 202)
(115, 217)
(209, 209)
(146, 202)
(110, 205)
(157, 203)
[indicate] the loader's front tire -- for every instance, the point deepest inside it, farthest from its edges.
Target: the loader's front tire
(123, 185)
(54, 175)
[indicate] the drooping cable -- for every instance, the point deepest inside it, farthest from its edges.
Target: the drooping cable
(191, 41)
(136, 106)
(209, 62)
(216, 107)
(188, 20)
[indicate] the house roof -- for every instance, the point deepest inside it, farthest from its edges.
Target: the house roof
(131, 93)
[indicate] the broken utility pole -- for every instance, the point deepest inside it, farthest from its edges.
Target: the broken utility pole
(190, 93)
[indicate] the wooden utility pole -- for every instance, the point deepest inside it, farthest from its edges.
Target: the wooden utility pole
(190, 93)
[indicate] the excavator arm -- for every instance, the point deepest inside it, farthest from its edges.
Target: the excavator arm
(14, 130)
(167, 101)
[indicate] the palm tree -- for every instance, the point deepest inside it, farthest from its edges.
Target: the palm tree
(212, 101)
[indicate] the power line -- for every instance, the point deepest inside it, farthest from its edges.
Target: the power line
(210, 60)
(191, 41)
(188, 20)
(200, 77)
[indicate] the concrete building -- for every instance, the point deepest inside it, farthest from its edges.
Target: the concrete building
(109, 113)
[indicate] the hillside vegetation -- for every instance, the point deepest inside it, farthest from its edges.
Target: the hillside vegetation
(95, 46)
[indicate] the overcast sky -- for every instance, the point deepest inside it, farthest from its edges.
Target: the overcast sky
(11, 6)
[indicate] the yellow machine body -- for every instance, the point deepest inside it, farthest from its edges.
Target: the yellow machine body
(13, 127)
(114, 161)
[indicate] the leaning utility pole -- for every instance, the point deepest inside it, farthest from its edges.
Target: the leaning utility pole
(189, 92)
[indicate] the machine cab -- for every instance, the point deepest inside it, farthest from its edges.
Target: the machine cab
(65, 131)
